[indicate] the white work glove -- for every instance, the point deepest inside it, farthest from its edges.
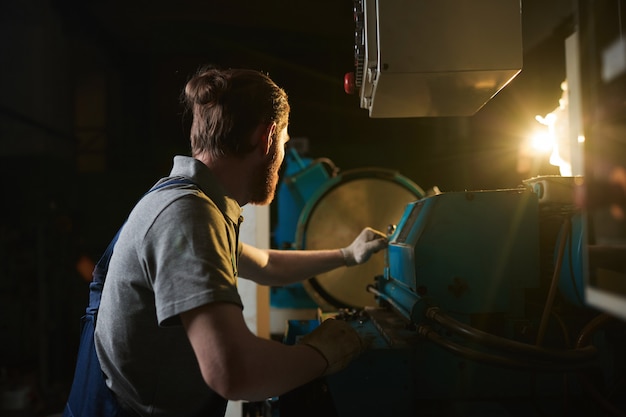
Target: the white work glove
(368, 242)
(336, 341)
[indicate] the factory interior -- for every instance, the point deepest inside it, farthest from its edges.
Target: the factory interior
(486, 138)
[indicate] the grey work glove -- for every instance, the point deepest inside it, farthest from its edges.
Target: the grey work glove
(336, 341)
(368, 242)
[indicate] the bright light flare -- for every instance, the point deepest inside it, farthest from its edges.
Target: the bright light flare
(555, 137)
(542, 141)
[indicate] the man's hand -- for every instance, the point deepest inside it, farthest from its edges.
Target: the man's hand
(336, 341)
(368, 242)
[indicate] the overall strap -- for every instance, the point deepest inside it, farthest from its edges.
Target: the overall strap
(101, 268)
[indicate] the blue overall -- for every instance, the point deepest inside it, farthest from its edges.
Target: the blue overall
(89, 395)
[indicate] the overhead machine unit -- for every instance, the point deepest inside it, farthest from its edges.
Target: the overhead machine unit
(427, 58)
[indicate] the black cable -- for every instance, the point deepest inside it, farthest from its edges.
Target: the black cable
(582, 353)
(493, 359)
(583, 338)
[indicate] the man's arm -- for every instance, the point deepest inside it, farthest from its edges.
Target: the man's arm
(282, 267)
(241, 366)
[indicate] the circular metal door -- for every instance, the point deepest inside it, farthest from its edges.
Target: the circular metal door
(333, 218)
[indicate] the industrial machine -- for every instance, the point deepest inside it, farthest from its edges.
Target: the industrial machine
(477, 310)
(503, 303)
(320, 206)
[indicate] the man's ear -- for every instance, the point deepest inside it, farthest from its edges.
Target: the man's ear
(267, 138)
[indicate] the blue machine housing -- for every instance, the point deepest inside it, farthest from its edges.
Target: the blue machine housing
(466, 252)
(304, 177)
(462, 300)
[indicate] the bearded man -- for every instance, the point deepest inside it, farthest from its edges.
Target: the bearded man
(170, 336)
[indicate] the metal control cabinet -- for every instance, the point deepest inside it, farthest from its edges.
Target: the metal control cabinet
(434, 58)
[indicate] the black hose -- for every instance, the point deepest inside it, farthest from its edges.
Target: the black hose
(493, 359)
(583, 338)
(581, 353)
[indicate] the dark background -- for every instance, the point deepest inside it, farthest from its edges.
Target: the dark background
(90, 118)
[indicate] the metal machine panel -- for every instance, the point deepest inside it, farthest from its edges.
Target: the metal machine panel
(435, 58)
(467, 252)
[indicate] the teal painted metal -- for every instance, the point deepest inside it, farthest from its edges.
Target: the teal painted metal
(468, 252)
(302, 178)
(571, 280)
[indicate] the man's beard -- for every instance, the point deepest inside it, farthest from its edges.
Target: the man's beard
(264, 182)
